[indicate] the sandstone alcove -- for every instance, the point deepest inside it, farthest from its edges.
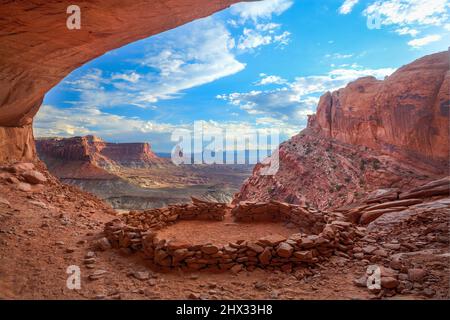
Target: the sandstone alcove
(38, 50)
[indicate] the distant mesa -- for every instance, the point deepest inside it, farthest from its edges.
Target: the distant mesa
(89, 157)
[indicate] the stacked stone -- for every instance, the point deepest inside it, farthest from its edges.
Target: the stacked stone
(307, 219)
(336, 237)
(121, 235)
(270, 252)
(161, 217)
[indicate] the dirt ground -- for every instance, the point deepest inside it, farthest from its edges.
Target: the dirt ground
(42, 233)
(39, 241)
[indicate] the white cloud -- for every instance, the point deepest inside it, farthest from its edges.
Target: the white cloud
(407, 31)
(347, 6)
(199, 53)
(130, 77)
(270, 79)
(260, 9)
(251, 39)
(339, 56)
(420, 42)
(408, 12)
(55, 122)
(295, 100)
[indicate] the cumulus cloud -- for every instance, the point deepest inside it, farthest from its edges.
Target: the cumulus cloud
(269, 79)
(196, 54)
(295, 100)
(420, 42)
(130, 77)
(410, 12)
(347, 6)
(407, 31)
(260, 9)
(55, 122)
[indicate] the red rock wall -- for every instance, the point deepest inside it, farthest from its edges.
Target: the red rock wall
(369, 135)
(38, 50)
(96, 151)
(406, 113)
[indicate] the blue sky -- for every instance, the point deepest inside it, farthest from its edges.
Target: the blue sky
(253, 66)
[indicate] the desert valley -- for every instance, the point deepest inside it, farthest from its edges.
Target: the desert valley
(358, 209)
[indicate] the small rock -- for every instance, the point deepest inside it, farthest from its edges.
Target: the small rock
(20, 167)
(416, 275)
(381, 253)
(90, 254)
(369, 249)
(97, 274)
(428, 292)
(141, 275)
(255, 247)
(260, 286)
(284, 250)
(389, 282)
(209, 249)
(265, 256)
(361, 282)
(102, 244)
(194, 296)
(236, 268)
(34, 177)
(89, 261)
(274, 295)
(70, 250)
(22, 186)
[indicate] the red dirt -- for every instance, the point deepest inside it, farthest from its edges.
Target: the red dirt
(223, 232)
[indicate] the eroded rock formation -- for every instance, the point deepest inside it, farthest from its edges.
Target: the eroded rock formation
(371, 134)
(406, 113)
(38, 50)
(66, 157)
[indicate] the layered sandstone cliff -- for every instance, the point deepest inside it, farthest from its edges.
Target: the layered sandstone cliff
(90, 157)
(38, 50)
(406, 113)
(371, 134)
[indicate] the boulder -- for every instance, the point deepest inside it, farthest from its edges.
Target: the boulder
(209, 249)
(271, 240)
(284, 250)
(369, 216)
(34, 177)
(416, 274)
(265, 256)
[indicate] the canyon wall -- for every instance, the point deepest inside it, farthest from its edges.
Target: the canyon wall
(98, 152)
(90, 157)
(371, 134)
(406, 113)
(38, 50)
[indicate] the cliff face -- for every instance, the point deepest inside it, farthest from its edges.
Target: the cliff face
(38, 50)
(65, 157)
(371, 134)
(407, 113)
